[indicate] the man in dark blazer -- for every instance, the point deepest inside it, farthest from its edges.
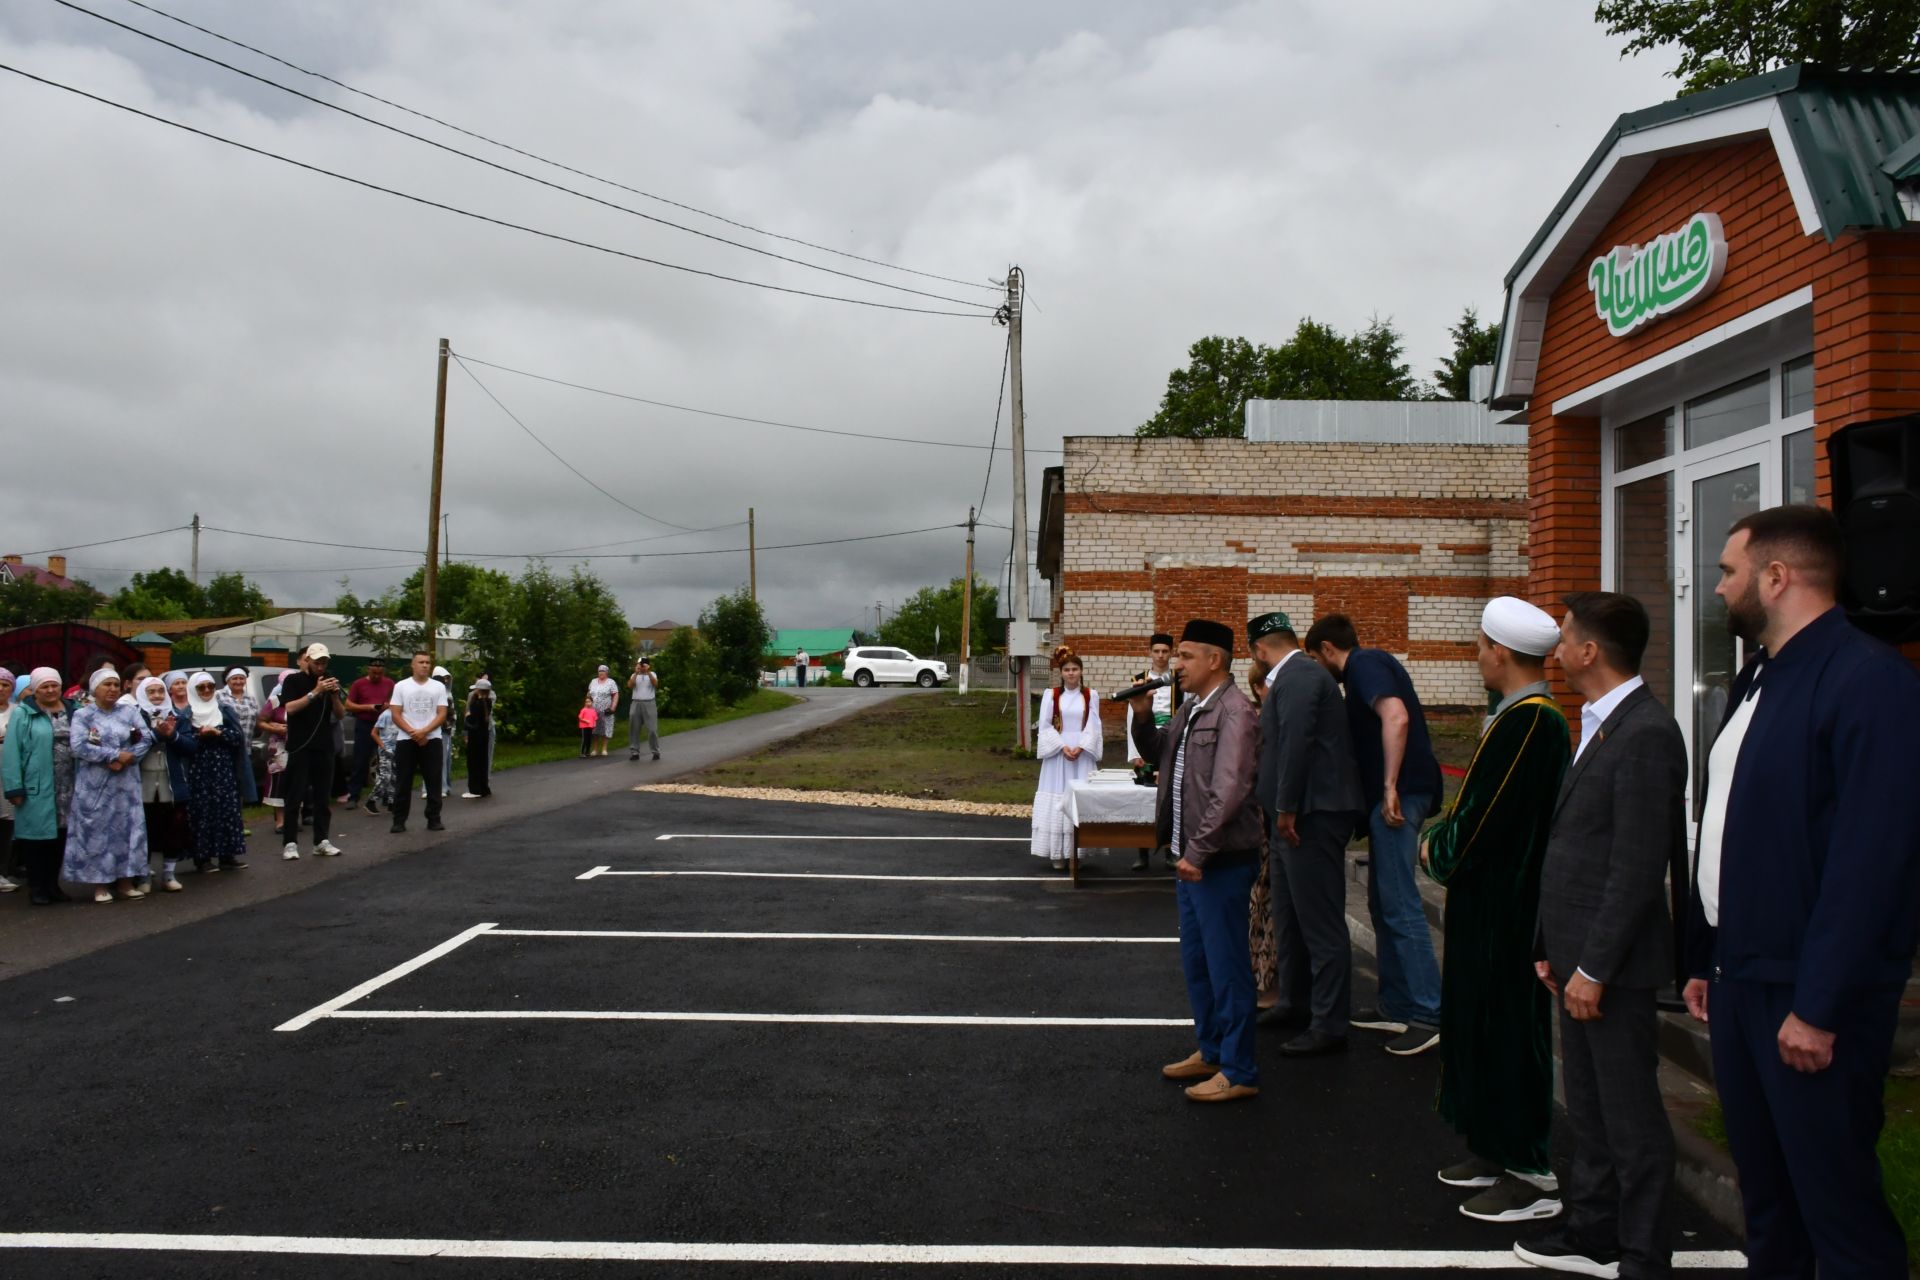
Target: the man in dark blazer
(1607, 945)
(1310, 790)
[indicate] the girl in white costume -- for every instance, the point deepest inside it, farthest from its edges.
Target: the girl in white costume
(1068, 747)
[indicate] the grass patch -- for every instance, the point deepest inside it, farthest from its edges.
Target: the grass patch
(1899, 1153)
(513, 755)
(931, 746)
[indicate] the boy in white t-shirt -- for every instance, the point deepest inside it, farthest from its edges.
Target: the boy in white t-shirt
(419, 704)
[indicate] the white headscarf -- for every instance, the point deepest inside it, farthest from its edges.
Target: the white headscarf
(143, 703)
(104, 673)
(206, 711)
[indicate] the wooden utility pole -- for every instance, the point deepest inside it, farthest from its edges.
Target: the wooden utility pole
(966, 608)
(753, 561)
(1022, 612)
(431, 582)
(196, 548)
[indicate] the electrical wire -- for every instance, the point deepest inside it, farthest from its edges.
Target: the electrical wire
(609, 555)
(999, 399)
(518, 173)
(731, 417)
(504, 146)
(594, 484)
(104, 542)
(487, 218)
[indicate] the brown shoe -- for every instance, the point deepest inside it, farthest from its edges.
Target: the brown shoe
(1220, 1089)
(1190, 1068)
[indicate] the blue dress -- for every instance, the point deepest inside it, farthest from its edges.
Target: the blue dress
(213, 795)
(106, 829)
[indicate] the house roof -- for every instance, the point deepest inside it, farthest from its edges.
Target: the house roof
(665, 624)
(35, 574)
(788, 641)
(1844, 139)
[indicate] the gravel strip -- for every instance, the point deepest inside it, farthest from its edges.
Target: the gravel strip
(857, 799)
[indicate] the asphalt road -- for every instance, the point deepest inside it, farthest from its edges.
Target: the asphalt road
(149, 1091)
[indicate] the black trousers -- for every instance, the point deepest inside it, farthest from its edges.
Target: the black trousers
(42, 859)
(1804, 1144)
(408, 757)
(1309, 896)
(309, 780)
(364, 751)
(1622, 1166)
(478, 766)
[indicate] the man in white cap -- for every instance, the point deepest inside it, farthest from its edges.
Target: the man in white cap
(1496, 1020)
(606, 701)
(313, 702)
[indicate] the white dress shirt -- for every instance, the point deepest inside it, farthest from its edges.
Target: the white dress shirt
(1275, 673)
(1595, 713)
(1721, 762)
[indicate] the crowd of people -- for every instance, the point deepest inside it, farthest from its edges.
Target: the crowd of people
(1571, 893)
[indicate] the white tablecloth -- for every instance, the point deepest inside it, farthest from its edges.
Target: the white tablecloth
(1110, 795)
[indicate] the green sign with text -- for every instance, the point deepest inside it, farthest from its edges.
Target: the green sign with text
(1634, 285)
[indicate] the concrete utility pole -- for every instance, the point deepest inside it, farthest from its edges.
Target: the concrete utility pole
(196, 548)
(966, 608)
(1016, 284)
(430, 583)
(753, 561)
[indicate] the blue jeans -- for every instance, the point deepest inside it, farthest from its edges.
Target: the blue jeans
(1218, 963)
(1409, 975)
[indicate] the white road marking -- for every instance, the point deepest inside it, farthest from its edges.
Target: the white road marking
(1016, 1255)
(731, 936)
(825, 1019)
(597, 872)
(897, 839)
(392, 975)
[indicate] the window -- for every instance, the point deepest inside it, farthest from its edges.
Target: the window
(1643, 565)
(1738, 407)
(1796, 467)
(1796, 387)
(1648, 440)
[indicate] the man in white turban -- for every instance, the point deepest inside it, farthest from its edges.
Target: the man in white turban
(1496, 1021)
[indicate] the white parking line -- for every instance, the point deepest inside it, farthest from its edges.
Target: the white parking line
(817, 1019)
(682, 835)
(732, 936)
(1005, 1255)
(596, 872)
(372, 985)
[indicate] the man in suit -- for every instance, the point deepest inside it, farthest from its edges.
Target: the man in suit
(1207, 815)
(1310, 791)
(1806, 899)
(1607, 944)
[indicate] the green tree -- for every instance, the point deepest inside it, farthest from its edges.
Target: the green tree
(1473, 343)
(158, 594)
(737, 633)
(686, 671)
(912, 627)
(380, 623)
(1726, 40)
(460, 589)
(24, 603)
(232, 595)
(1208, 398)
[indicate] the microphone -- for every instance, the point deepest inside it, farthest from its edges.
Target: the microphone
(1145, 686)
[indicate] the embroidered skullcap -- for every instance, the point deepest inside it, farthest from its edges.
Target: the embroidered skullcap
(1207, 631)
(1522, 627)
(41, 675)
(1160, 637)
(1268, 624)
(1065, 654)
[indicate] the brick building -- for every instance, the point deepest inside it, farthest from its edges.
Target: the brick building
(1730, 278)
(1406, 517)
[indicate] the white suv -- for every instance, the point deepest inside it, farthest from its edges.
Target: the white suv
(878, 665)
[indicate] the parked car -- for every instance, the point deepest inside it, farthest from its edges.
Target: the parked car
(875, 665)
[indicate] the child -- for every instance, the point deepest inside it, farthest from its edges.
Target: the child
(385, 734)
(589, 721)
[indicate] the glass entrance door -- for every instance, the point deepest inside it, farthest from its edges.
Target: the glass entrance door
(1713, 494)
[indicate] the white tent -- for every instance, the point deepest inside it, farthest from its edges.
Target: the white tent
(298, 630)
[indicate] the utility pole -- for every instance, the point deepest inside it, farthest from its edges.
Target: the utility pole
(966, 608)
(879, 619)
(753, 561)
(1016, 285)
(196, 548)
(430, 584)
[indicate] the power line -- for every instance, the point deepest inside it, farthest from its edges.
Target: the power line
(518, 173)
(998, 399)
(595, 484)
(730, 417)
(609, 555)
(487, 218)
(104, 542)
(495, 142)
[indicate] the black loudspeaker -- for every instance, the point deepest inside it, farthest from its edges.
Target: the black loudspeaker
(1876, 495)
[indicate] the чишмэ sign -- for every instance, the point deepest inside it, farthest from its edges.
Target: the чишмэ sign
(1634, 285)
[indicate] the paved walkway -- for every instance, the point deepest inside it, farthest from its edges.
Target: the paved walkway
(33, 938)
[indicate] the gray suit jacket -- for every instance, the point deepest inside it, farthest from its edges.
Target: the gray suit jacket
(1306, 749)
(1620, 817)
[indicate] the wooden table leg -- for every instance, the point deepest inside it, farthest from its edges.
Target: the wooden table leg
(1073, 860)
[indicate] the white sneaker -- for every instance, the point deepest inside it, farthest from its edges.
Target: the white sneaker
(326, 849)
(172, 885)
(291, 853)
(469, 795)
(6, 885)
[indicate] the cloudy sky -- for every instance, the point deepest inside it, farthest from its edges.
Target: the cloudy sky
(189, 327)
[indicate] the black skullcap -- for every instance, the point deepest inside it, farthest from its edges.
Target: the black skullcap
(1207, 631)
(1160, 637)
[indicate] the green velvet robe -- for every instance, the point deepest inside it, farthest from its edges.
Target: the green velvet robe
(1496, 1018)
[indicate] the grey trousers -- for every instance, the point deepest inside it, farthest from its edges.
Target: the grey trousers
(1622, 1166)
(1309, 896)
(643, 716)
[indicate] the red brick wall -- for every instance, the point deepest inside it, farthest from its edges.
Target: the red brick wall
(1217, 592)
(1866, 333)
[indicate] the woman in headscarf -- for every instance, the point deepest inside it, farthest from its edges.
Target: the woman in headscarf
(106, 831)
(213, 796)
(479, 738)
(1068, 748)
(163, 780)
(36, 774)
(1266, 955)
(272, 724)
(6, 807)
(246, 709)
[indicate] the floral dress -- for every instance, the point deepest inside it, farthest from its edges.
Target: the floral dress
(213, 796)
(106, 830)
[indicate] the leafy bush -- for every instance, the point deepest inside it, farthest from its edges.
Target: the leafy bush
(686, 671)
(737, 634)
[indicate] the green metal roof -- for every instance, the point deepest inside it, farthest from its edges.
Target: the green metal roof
(828, 640)
(1903, 162)
(150, 638)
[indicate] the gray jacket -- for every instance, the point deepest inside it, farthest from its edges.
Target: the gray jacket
(1620, 817)
(1306, 747)
(1218, 816)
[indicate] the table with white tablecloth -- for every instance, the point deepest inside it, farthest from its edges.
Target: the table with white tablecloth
(1109, 810)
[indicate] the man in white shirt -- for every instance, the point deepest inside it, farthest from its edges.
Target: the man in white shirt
(1166, 700)
(799, 671)
(420, 705)
(643, 713)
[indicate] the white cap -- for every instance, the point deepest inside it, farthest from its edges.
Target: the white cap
(1521, 627)
(440, 673)
(317, 652)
